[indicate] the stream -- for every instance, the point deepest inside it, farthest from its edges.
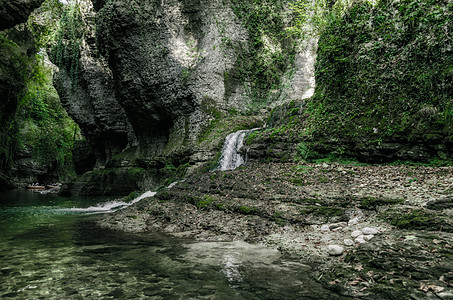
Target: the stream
(51, 248)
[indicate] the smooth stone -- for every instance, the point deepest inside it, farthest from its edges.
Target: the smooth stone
(370, 230)
(348, 242)
(360, 239)
(325, 228)
(335, 250)
(356, 233)
(337, 225)
(353, 221)
(368, 237)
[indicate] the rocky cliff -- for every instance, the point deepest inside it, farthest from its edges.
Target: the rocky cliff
(17, 51)
(384, 89)
(167, 72)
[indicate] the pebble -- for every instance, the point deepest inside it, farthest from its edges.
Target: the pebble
(353, 221)
(335, 250)
(325, 228)
(356, 233)
(368, 237)
(348, 242)
(360, 239)
(370, 230)
(337, 225)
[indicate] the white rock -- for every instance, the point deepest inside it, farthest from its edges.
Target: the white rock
(368, 237)
(325, 228)
(337, 225)
(369, 230)
(335, 250)
(348, 242)
(356, 233)
(353, 221)
(360, 239)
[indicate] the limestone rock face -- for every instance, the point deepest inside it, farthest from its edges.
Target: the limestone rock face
(90, 98)
(13, 12)
(166, 66)
(158, 74)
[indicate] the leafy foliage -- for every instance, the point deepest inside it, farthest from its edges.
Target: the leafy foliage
(42, 126)
(65, 52)
(387, 70)
(41, 129)
(270, 52)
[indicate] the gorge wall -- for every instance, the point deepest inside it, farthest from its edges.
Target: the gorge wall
(17, 51)
(155, 86)
(156, 77)
(384, 89)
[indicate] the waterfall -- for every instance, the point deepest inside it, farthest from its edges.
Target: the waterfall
(231, 158)
(110, 206)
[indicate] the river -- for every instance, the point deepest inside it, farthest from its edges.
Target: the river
(50, 252)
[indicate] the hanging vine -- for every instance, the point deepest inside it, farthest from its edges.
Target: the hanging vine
(65, 52)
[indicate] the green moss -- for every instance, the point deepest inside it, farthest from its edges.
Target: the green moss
(220, 205)
(371, 203)
(206, 201)
(418, 220)
(384, 73)
(277, 218)
(247, 210)
(269, 53)
(135, 172)
(40, 126)
(132, 196)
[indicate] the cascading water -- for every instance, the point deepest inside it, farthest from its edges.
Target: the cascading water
(231, 158)
(110, 206)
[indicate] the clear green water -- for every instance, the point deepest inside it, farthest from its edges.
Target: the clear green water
(50, 253)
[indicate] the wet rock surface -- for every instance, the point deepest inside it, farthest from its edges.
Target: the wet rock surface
(395, 245)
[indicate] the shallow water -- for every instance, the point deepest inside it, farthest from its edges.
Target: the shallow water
(50, 252)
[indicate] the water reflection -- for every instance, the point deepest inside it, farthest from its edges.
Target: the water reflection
(231, 265)
(48, 254)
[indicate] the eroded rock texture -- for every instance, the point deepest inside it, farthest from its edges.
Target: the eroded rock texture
(90, 100)
(13, 12)
(167, 70)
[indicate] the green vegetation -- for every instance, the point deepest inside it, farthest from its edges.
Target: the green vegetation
(371, 203)
(173, 173)
(384, 73)
(65, 52)
(418, 219)
(40, 131)
(206, 201)
(270, 52)
(247, 210)
(41, 127)
(278, 219)
(132, 196)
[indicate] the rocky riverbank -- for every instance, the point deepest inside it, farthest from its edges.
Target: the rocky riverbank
(378, 231)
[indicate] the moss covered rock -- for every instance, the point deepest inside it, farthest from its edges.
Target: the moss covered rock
(384, 81)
